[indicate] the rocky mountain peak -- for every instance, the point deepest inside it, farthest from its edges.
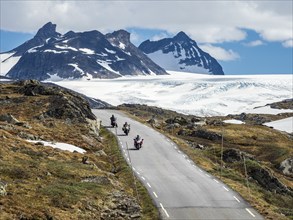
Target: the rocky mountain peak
(181, 53)
(47, 31)
(88, 54)
(181, 36)
(119, 36)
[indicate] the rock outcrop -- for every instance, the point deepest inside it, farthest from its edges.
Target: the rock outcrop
(286, 167)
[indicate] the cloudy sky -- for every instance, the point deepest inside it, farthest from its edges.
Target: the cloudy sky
(246, 37)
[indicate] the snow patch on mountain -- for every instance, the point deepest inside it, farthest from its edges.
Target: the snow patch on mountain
(65, 47)
(110, 51)
(87, 51)
(61, 146)
(172, 62)
(7, 61)
(106, 65)
(282, 125)
(55, 51)
(76, 68)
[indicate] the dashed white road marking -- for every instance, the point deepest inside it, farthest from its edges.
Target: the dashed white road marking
(200, 170)
(179, 151)
(133, 168)
(216, 180)
(250, 212)
(189, 161)
(226, 189)
(208, 175)
(236, 198)
(155, 194)
(137, 172)
(143, 178)
(164, 210)
(149, 185)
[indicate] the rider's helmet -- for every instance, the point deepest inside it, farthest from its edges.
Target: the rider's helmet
(137, 137)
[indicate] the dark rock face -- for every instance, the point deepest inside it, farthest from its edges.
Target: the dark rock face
(75, 55)
(232, 155)
(206, 135)
(178, 120)
(185, 55)
(235, 155)
(63, 103)
(268, 181)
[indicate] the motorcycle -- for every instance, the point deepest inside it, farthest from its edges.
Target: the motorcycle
(126, 129)
(138, 143)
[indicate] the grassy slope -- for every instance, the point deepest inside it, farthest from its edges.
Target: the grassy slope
(44, 182)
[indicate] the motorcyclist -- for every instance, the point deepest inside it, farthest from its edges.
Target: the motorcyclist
(137, 138)
(113, 118)
(126, 126)
(138, 142)
(113, 121)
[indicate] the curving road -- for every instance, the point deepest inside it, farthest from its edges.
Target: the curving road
(180, 189)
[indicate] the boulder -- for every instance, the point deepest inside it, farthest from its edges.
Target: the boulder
(118, 204)
(286, 167)
(232, 155)
(3, 186)
(267, 180)
(101, 180)
(100, 153)
(9, 119)
(153, 122)
(206, 135)
(178, 119)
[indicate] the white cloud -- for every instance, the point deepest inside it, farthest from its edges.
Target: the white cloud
(219, 53)
(254, 43)
(204, 21)
(288, 43)
(159, 36)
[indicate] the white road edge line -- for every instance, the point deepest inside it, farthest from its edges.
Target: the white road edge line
(164, 210)
(155, 194)
(250, 212)
(226, 189)
(216, 180)
(236, 199)
(149, 185)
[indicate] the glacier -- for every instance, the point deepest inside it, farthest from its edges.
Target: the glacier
(189, 93)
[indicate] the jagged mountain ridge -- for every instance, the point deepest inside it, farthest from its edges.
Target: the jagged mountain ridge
(78, 55)
(181, 53)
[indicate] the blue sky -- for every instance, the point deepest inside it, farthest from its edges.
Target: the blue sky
(246, 37)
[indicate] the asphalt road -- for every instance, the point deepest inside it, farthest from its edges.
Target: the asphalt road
(180, 189)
